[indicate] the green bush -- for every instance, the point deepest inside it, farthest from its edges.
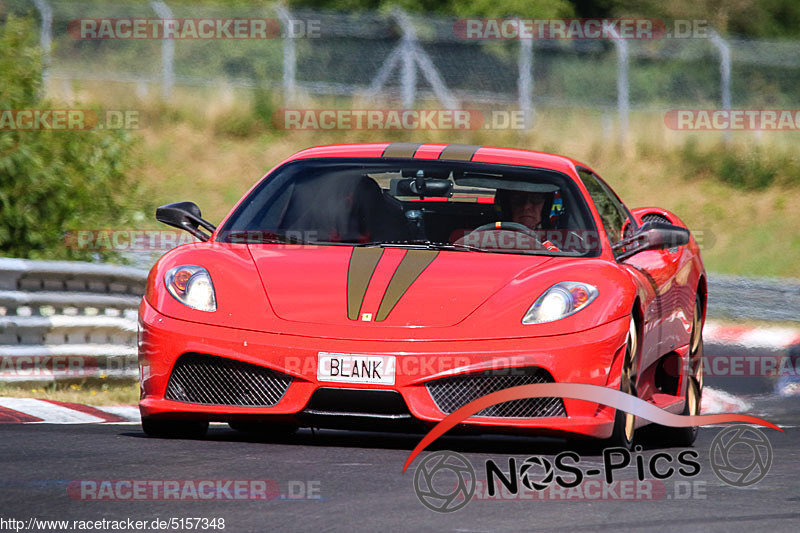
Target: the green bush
(751, 169)
(54, 181)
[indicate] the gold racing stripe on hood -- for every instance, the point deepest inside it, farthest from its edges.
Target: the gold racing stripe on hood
(401, 150)
(459, 152)
(409, 269)
(363, 262)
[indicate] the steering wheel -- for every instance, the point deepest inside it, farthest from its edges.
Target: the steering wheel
(512, 226)
(515, 226)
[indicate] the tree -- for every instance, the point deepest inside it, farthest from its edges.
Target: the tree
(53, 181)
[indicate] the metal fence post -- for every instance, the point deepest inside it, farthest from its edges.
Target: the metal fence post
(45, 35)
(409, 68)
(383, 74)
(725, 74)
(289, 56)
(623, 101)
(525, 81)
(412, 56)
(167, 52)
(432, 76)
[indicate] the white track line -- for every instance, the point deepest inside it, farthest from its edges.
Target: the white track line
(49, 413)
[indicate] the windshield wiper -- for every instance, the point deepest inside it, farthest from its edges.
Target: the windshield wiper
(257, 237)
(420, 243)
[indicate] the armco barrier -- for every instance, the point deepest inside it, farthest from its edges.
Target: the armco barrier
(742, 298)
(68, 320)
(65, 320)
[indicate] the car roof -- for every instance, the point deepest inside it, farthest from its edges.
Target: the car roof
(454, 152)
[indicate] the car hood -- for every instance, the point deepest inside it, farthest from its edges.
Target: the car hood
(393, 287)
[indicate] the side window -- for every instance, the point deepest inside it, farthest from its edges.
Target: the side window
(629, 224)
(612, 212)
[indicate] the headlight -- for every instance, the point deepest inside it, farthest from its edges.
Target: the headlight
(191, 285)
(559, 301)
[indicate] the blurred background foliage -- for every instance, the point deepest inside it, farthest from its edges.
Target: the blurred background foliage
(210, 144)
(53, 181)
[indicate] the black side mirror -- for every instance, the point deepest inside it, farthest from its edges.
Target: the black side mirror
(185, 216)
(651, 236)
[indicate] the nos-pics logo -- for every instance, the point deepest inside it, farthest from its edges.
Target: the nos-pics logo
(445, 481)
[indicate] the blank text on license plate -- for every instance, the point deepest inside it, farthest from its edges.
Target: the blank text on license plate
(349, 368)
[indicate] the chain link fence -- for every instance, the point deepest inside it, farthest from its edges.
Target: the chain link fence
(402, 58)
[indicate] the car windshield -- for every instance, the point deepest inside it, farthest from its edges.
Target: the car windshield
(467, 206)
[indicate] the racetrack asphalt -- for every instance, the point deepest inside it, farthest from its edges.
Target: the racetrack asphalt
(335, 480)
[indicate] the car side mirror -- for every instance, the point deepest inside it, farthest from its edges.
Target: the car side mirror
(185, 216)
(651, 236)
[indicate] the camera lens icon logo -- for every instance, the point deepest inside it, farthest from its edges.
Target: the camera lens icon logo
(445, 482)
(543, 464)
(733, 463)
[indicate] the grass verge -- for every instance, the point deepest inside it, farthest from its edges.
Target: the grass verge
(105, 394)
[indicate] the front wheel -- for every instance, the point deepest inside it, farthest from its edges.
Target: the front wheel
(685, 437)
(694, 387)
(625, 423)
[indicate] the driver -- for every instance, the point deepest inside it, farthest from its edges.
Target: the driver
(527, 207)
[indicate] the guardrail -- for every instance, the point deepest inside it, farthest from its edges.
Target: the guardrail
(744, 298)
(68, 320)
(64, 320)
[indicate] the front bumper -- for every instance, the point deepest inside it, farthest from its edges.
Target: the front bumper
(592, 356)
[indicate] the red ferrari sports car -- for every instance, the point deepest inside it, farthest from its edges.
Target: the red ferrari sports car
(383, 286)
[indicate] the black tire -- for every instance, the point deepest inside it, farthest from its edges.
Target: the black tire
(623, 434)
(174, 429)
(685, 437)
(264, 429)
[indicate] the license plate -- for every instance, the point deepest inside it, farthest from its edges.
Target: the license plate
(348, 368)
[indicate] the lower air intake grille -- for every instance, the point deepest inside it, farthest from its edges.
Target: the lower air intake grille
(452, 393)
(200, 378)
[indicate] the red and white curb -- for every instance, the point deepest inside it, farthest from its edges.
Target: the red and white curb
(31, 410)
(718, 401)
(762, 337)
